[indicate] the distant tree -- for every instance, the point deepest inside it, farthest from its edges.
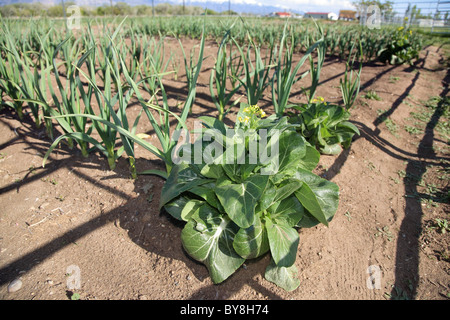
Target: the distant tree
(8, 11)
(121, 9)
(210, 12)
(229, 13)
(55, 11)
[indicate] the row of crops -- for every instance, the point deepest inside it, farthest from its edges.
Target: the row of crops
(238, 203)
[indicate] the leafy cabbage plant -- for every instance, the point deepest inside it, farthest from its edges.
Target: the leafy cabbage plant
(402, 48)
(242, 209)
(325, 126)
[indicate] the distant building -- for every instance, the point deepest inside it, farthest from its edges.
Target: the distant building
(347, 15)
(280, 14)
(430, 23)
(322, 15)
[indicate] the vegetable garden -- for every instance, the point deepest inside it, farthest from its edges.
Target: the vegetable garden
(174, 121)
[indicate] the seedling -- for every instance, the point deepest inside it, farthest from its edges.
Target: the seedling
(393, 79)
(372, 95)
(384, 232)
(442, 225)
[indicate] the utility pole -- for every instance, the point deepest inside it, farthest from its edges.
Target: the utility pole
(64, 13)
(229, 7)
(435, 15)
(407, 19)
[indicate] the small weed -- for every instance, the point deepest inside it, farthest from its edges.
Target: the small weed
(393, 79)
(75, 296)
(384, 232)
(401, 173)
(348, 215)
(399, 294)
(443, 255)
(52, 181)
(391, 126)
(432, 102)
(371, 166)
(413, 130)
(409, 104)
(429, 203)
(363, 103)
(442, 225)
(422, 116)
(372, 95)
(396, 181)
(32, 170)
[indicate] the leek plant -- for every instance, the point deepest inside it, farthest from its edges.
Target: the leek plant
(315, 68)
(285, 74)
(10, 75)
(106, 100)
(256, 75)
(218, 80)
(74, 129)
(154, 63)
(351, 83)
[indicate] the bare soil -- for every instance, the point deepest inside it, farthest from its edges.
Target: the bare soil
(76, 212)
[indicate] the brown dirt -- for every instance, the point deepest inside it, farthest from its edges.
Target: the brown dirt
(75, 211)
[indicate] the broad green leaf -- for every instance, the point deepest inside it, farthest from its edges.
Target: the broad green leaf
(288, 211)
(190, 208)
(309, 200)
(212, 171)
(331, 148)
(277, 193)
(291, 149)
(284, 277)
(251, 242)
(350, 126)
(268, 197)
(181, 179)
(239, 200)
(214, 123)
(175, 207)
(283, 242)
(208, 237)
(160, 173)
(311, 159)
(206, 191)
(320, 197)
